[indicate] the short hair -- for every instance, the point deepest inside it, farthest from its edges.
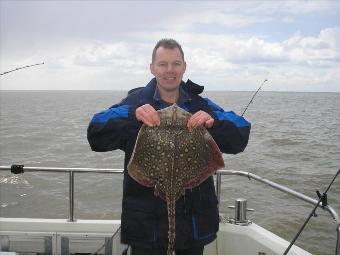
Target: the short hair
(168, 44)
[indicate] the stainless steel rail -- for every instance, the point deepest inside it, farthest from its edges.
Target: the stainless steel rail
(277, 186)
(73, 171)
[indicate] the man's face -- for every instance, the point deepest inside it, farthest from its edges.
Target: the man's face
(168, 68)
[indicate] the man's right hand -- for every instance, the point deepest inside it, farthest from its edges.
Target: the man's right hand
(148, 115)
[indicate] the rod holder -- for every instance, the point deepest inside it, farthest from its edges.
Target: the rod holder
(240, 212)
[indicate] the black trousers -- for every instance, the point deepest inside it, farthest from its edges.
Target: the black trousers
(142, 251)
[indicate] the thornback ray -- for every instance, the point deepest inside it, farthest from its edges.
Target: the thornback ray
(172, 158)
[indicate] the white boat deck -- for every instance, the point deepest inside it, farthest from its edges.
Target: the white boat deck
(59, 236)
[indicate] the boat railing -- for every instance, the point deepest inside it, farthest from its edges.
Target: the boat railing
(73, 171)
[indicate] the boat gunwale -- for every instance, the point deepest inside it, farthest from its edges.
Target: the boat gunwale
(219, 173)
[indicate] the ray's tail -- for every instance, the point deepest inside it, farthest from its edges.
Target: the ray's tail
(172, 227)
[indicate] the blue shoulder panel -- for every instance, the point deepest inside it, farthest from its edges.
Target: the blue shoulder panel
(213, 105)
(232, 117)
(119, 112)
(228, 116)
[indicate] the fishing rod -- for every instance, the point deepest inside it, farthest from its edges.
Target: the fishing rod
(323, 199)
(251, 100)
(111, 238)
(18, 68)
(125, 250)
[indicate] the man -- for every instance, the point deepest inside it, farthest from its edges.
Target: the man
(144, 215)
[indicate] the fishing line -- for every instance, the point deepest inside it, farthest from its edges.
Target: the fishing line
(251, 100)
(323, 199)
(18, 68)
(111, 238)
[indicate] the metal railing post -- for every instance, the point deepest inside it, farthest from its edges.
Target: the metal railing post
(218, 188)
(71, 196)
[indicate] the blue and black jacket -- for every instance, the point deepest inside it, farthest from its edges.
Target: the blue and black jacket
(144, 216)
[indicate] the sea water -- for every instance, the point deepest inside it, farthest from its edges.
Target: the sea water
(295, 141)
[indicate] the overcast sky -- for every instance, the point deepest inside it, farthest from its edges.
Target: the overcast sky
(228, 45)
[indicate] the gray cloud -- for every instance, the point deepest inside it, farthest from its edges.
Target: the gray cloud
(104, 44)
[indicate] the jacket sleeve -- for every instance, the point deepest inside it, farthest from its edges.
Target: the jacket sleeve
(110, 129)
(230, 131)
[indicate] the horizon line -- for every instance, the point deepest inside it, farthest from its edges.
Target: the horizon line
(120, 90)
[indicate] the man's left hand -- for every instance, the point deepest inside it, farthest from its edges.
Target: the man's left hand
(200, 118)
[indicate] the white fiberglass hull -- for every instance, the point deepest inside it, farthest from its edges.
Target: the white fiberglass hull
(58, 236)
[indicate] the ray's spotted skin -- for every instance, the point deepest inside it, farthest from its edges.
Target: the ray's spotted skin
(172, 158)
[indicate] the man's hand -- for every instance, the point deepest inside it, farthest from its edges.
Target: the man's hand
(148, 115)
(200, 118)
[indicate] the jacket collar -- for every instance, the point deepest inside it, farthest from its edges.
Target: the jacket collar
(187, 89)
(184, 97)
